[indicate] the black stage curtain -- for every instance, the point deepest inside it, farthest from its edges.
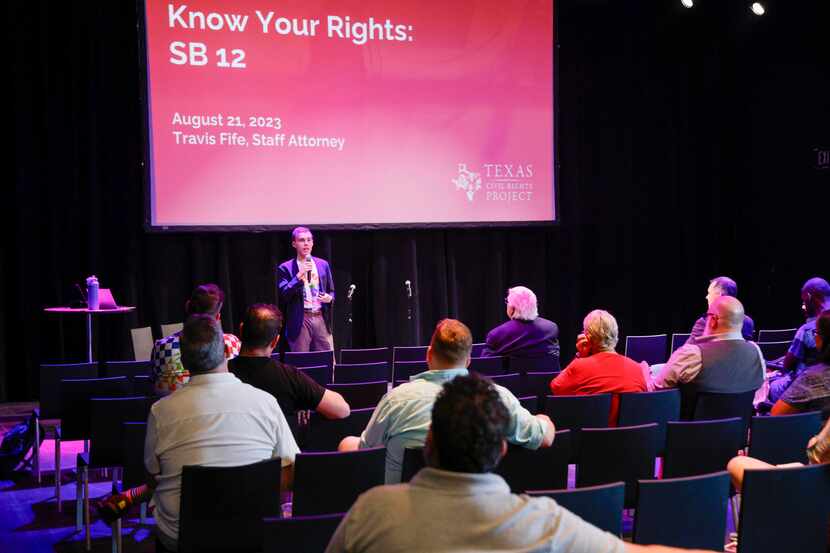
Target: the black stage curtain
(686, 148)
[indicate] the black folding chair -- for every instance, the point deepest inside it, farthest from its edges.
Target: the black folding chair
(651, 349)
(531, 403)
(537, 469)
(361, 395)
(321, 485)
(478, 349)
(683, 512)
(222, 508)
(325, 434)
(488, 366)
(700, 447)
(535, 364)
(778, 335)
(512, 382)
(578, 412)
(413, 461)
(321, 374)
(309, 358)
(363, 356)
(601, 506)
(409, 353)
(785, 509)
(774, 350)
(783, 439)
(677, 340)
(362, 372)
(626, 453)
(661, 407)
(299, 534)
(128, 368)
(405, 369)
(537, 383)
(716, 406)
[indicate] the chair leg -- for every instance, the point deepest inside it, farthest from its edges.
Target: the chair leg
(58, 473)
(87, 537)
(79, 501)
(116, 536)
(733, 502)
(36, 453)
(143, 515)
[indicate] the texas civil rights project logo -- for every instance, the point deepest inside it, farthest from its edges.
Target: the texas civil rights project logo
(502, 182)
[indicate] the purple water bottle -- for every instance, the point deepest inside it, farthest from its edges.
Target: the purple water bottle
(92, 293)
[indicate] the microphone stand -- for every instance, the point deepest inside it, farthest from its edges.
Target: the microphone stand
(349, 326)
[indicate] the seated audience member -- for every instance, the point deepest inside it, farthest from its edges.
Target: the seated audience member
(293, 390)
(815, 298)
(456, 503)
(526, 335)
(402, 417)
(168, 374)
(598, 369)
(216, 420)
(810, 391)
(721, 286)
(720, 361)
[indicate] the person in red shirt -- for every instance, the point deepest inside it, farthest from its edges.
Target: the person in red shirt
(598, 369)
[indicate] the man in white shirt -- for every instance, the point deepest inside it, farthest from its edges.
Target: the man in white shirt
(216, 420)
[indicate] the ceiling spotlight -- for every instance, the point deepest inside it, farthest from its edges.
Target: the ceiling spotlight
(688, 3)
(757, 8)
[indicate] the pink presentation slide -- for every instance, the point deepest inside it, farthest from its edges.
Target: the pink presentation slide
(369, 112)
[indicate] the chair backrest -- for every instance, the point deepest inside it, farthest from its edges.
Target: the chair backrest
(545, 468)
(302, 359)
(715, 406)
(171, 328)
(774, 350)
(513, 382)
(576, 412)
(75, 396)
(409, 353)
(488, 366)
(478, 349)
(325, 434)
(778, 335)
(321, 374)
(50, 380)
(537, 383)
(361, 395)
(132, 453)
(128, 368)
(330, 482)
(299, 534)
(783, 439)
(536, 364)
(677, 340)
(683, 512)
(405, 369)
(531, 403)
(142, 343)
(370, 355)
(701, 447)
(222, 507)
(625, 453)
(796, 499)
(107, 418)
(413, 461)
(362, 372)
(651, 349)
(143, 386)
(601, 506)
(645, 407)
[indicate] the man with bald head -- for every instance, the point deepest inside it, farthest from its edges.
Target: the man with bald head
(719, 361)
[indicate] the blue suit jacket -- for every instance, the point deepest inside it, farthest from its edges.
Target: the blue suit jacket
(290, 294)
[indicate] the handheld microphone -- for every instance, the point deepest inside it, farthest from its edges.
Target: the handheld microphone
(352, 288)
(308, 273)
(408, 288)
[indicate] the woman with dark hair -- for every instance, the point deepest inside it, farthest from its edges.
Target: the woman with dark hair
(810, 391)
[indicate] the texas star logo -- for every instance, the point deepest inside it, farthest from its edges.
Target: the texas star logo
(467, 181)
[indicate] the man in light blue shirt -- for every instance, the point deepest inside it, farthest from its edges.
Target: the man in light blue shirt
(403, 416)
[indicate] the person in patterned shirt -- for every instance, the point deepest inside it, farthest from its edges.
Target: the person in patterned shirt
(168, 374)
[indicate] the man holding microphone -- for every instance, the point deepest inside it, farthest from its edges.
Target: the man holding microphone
(306, 290)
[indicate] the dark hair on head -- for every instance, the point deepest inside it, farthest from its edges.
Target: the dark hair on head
(823, 329)
(469, 423)
(206, 299)
(817, 286)
(202, 344)
(727, 286)
(452, 342)
(296, 232)
(261, 325)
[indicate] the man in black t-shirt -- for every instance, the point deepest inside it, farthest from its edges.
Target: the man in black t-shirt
(293, 390)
